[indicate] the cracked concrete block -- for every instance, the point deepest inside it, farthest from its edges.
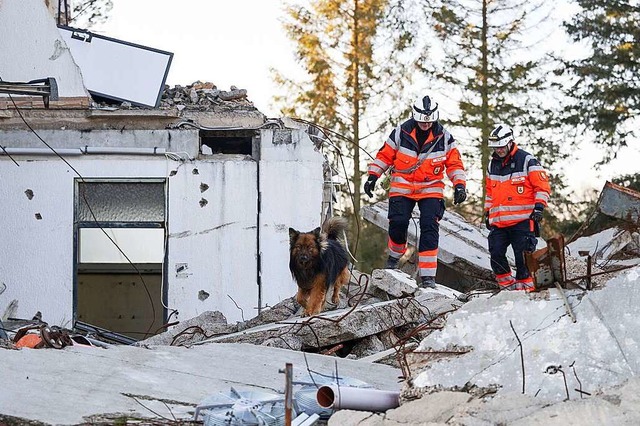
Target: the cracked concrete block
(351, 417)
(368, 346)
(437, 407)
(394, 282)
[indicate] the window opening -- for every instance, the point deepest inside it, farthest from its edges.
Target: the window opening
(111, 293)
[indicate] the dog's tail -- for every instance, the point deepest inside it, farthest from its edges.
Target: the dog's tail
(334, 227)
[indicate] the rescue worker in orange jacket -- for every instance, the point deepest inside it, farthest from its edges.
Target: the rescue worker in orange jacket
(517, 189)
(419, 153)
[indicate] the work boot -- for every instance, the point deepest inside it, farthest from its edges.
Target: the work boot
(392, 263)
(427, 282)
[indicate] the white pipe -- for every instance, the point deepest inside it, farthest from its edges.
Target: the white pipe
(123, 150)
(85, 150)
(350, 398)
(40, 151)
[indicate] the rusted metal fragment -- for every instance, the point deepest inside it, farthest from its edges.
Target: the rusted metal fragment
(547, 265)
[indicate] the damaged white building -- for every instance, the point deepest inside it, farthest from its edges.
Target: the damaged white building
(126, 217)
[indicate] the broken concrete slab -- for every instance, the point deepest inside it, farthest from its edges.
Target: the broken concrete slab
(204, 326)
(602, 246)
(499, 327)
(462, 247)
(333, 327)
(393, 282)
(94, 385)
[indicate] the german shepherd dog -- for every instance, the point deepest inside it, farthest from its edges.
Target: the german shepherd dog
(318, 260)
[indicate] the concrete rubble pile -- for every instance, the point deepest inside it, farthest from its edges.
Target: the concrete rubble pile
(198, 96)
(375, 315)
(204, 97)
(466, 353)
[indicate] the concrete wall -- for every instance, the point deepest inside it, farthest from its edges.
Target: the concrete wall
(31, 47)
(291, 183)
(214, 231)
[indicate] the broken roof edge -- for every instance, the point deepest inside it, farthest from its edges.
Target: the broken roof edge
(132, 119)
(200, 103)
(615, 202)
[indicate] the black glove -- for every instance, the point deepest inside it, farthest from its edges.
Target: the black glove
(486, 221)
(460, 194)
(536, 214)
(370, 184)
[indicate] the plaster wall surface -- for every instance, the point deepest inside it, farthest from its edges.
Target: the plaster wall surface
(180, 141)
(213, 237)
(212, 213)
(31, 48)
(219, 246)
(291, 192)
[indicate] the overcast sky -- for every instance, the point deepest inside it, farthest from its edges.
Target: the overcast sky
(224, 42)
(237, 42)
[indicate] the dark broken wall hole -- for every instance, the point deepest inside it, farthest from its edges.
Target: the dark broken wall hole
(228, 142)
(341, 350)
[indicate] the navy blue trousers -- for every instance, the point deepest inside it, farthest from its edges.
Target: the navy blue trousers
(431, 211)
(521, 238)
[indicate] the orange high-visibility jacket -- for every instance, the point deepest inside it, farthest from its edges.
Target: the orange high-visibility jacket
(418, 172)
(514, 185)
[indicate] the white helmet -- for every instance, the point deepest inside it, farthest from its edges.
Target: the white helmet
(500, 136)
(425, 111)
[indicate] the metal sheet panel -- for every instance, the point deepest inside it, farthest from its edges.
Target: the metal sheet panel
(118, 70)
(620, 202)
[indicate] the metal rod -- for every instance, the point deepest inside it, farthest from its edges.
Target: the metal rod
(589, 272)
(566, 302)
(288, 394)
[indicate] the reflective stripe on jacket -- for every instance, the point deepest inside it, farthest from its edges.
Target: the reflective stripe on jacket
(418, 173)
(514, 185)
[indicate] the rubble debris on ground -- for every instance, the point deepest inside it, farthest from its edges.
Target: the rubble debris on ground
(517, 358)
(366, 324)
(185, 333)
(477, 357)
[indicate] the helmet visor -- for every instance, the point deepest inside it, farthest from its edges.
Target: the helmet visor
(500, 141)
(425, 116)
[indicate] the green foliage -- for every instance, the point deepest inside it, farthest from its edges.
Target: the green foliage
(481, 43)
(358, 60)
(87, 13)
(372, 246)
(628, 181)
(606, 84)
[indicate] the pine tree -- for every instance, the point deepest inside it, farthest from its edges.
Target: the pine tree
(356, 54)
(606, 85)
(495, 76)
(87, 13)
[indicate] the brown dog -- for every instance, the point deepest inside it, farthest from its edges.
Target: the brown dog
(318, 260)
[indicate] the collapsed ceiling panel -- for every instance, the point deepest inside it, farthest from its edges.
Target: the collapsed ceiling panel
(118, 70)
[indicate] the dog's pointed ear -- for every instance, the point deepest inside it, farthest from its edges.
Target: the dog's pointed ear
(293, 235)
(316, 232)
